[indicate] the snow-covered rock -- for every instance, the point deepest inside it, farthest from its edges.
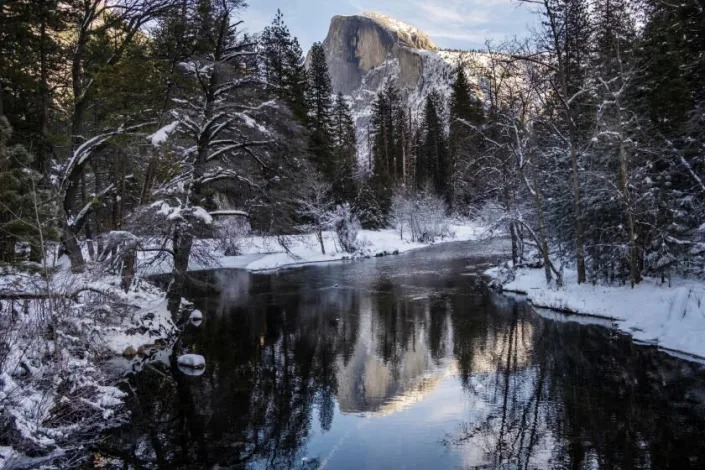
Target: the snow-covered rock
(193, 361)
(191, 364)
(196, 318)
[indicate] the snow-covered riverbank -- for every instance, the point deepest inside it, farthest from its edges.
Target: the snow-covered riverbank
(57, 334)
(263, 253)
(670, 317)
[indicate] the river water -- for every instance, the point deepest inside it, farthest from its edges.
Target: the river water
(406, 361)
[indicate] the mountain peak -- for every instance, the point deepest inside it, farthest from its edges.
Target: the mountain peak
(409, 35)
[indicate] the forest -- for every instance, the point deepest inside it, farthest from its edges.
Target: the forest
(139, 134)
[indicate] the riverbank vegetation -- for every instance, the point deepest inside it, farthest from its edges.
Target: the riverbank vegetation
(136, 133)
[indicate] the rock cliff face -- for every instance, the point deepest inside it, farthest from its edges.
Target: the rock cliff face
(357, 44)
(363, 51)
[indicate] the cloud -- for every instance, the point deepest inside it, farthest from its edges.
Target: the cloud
(455, 23)
(440, 13)
(451, 23)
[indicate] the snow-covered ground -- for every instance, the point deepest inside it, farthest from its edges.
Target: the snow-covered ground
(263, 253)
(671, 317)
(55, 392)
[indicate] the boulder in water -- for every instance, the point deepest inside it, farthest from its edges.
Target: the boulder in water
(192, 361)
(196, 318)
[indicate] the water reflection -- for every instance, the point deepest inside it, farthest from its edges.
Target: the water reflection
(406, 363)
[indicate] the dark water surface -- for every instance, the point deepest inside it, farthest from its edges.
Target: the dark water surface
(406, 362)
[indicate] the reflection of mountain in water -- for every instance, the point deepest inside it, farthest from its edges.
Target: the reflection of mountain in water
(369, 383)
(502, 387)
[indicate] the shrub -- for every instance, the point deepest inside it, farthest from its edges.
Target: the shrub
(420, 215)
(347, 227)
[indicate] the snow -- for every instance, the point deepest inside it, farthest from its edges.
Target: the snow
(436, 74)
(202, 214)
(404, 30)
(250, 122)
(194, 361)
(159, 137)
(670, 317)
(195, 318)
(69, 370)
(265, 253)
(117, 339)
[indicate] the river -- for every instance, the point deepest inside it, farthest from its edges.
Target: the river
(405, 361)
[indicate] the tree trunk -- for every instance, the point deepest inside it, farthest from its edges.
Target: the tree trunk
(72, 247)
(635, 272)
(128, 268)
(580, 250)
(515, 248)
(320, 240)
(542, 234)
(183, 241)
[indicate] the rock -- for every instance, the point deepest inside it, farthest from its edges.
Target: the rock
(129, 352)
(192, 361)
(364, 51)
(196, 318)
(359, 43)
(191, 364)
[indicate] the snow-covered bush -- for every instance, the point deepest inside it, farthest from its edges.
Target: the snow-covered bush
(422, 216)
(55, 332)
(488, 213)
(347, 227)
(230, 234)
(315, 209)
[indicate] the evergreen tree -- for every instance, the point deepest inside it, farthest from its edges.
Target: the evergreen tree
(31, 58)
(296, 81)
(320, 106)
(275, 41)
(387, 149)
(612, 214)
(433, 162)
(26, 210)
(344, 151)
(283, 65)
(367, 206)
(464, 140)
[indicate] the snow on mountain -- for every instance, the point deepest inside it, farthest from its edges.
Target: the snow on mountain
(364, 51)
(407, 33)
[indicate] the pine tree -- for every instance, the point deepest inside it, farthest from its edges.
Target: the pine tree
(296, 80)
(433, 163)
(464, 139)
(275, 41)
(31, 57)
(388, 158)
(26, 210)
(613, 215)
(320, 105)
(344, 151)
(283, 65)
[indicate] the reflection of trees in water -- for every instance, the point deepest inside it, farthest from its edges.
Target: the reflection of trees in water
(403, 320)
(541, 394)
(269, 367)
(586, 398)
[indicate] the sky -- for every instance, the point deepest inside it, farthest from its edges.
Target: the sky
(456, 24)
